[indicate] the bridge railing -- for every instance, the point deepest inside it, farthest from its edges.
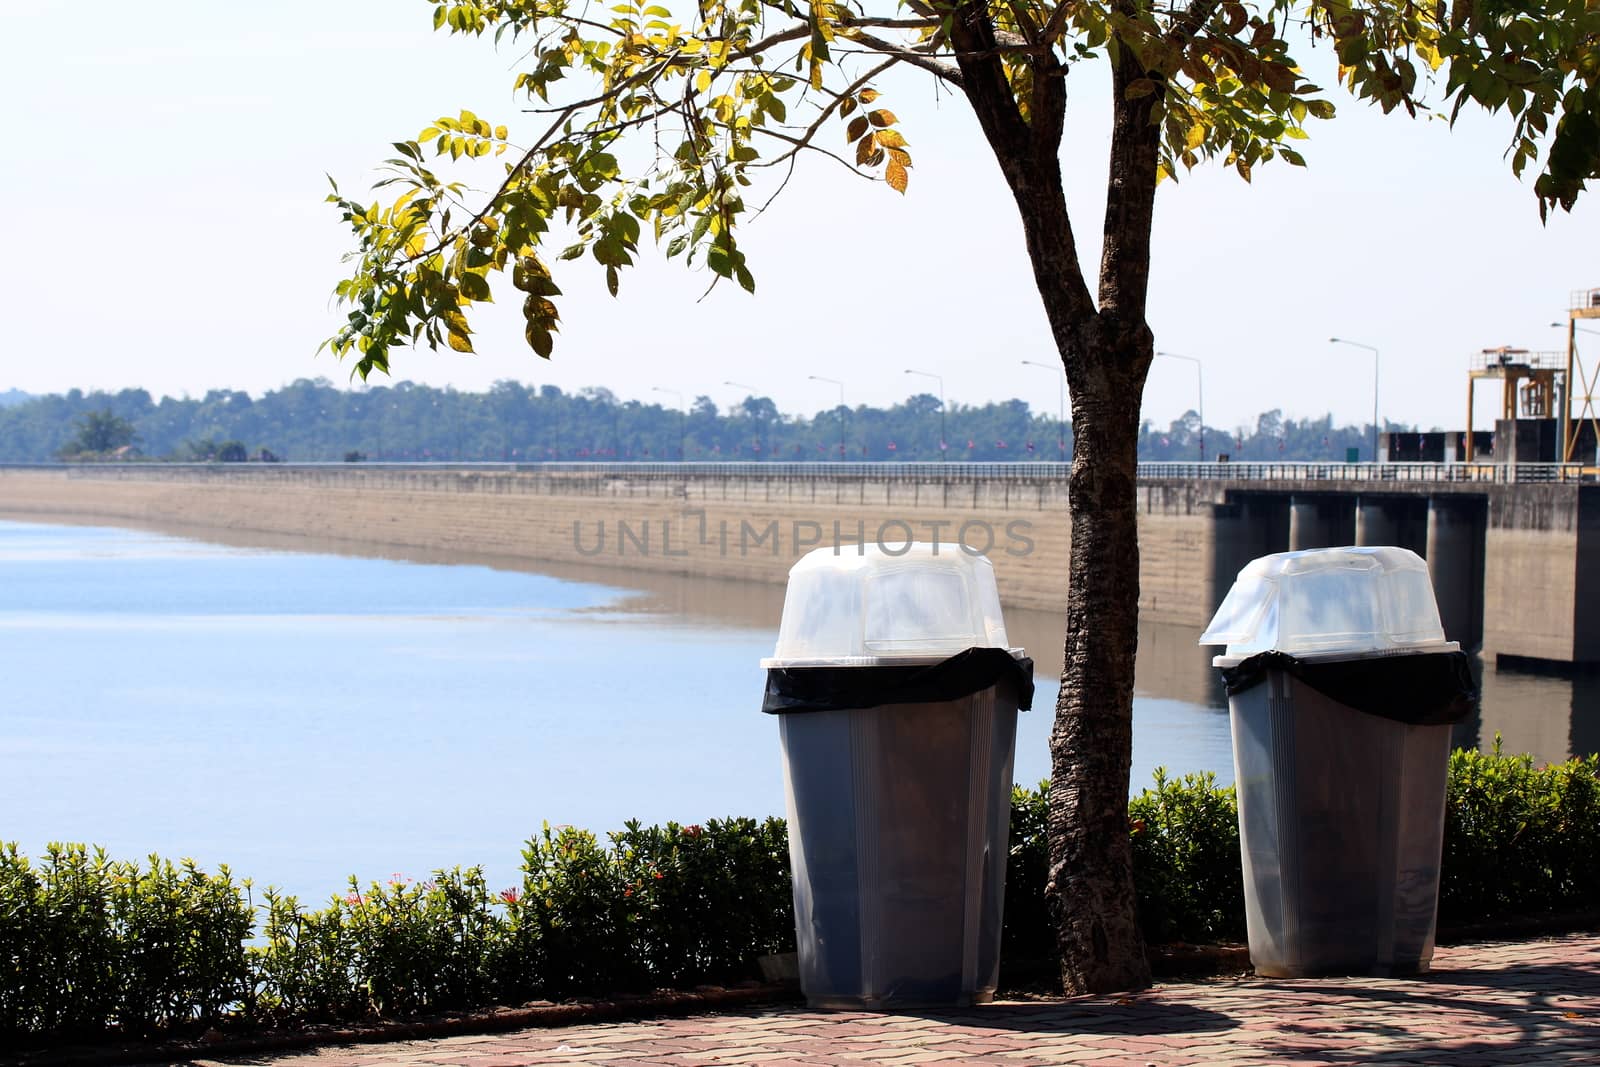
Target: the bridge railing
(1490, 473)
(1493, 473)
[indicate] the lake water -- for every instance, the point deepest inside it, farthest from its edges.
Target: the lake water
(306, 715)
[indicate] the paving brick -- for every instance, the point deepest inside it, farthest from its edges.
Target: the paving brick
(1533, 1002)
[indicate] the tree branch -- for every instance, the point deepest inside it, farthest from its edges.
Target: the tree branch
(804, 140)
(1130, 190)
(911, 57)
(984, 81)
(1192, 20)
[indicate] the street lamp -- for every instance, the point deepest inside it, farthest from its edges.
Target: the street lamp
(1374, 351)
(683, 418)
(1575, 326)
(1061, 412)
(940, 380)
(1200, 394)
(752, 391)
(835, 381)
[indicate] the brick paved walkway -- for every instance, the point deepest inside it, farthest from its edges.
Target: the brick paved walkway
(1532, 1002)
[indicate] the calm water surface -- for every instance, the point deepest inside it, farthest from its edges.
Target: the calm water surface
(305, 716)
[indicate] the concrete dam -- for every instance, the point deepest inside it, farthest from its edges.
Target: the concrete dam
(1511, 547)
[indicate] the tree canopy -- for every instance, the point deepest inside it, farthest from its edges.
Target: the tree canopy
(312, 421)
(100, 432)
(717, 95)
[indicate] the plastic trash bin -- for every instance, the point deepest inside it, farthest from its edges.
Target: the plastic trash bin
(897, 700)
(1341, 692)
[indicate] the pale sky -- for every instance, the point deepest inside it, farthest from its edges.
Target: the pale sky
(163, 174)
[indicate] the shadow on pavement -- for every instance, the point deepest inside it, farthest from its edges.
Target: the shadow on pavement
(1134, 1016)
(1527, 1014)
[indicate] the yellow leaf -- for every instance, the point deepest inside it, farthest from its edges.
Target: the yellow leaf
(865, 148)
(882, 117)
(869, 95)
(1194, 136)
(459, 341)
(900, 156)
(891, 139)
(896, 175)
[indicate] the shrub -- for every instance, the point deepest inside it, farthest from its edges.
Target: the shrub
(85, 939)
(1186, 872)
(1186, 860)
(88, 944)
(704, 901)
(1519, 839)
(1028, 935)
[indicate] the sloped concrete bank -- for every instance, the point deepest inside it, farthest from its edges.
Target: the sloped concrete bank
(750, 527)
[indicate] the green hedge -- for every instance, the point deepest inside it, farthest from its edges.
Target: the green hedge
(1519, 839)
(89, 944)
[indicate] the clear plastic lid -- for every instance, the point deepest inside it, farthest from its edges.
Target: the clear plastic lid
(1328, 601)
(864, 606)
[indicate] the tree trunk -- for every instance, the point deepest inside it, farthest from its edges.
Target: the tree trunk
(1106, 351)
(1090, 890)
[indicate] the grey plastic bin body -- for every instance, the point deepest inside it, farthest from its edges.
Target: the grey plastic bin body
(898, 823)
(1341, 822)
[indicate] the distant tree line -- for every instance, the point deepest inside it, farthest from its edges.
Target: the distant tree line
(313, 421)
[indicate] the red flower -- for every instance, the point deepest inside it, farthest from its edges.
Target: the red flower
(657, 875)
(510, 896)
(692, 831)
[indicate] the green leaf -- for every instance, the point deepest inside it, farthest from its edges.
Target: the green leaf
(539, 340)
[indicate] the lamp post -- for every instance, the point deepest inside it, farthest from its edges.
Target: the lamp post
(1200, 394)
(835, 381)
(940, 380)
(1374, 351)
(1061, 411)
(751, 390)
(683, 418)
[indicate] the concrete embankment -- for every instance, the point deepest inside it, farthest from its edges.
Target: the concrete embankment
(750, 525)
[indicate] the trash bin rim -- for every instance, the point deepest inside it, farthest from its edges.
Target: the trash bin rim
(1344, 655)
(921, 659)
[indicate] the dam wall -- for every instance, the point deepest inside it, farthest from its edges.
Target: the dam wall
(1516, 565)
(748, 527)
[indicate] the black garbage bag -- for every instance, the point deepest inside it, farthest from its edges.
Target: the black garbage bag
(797, 689)
(1420, 689)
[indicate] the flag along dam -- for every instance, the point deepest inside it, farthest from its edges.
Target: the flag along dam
(1514, 549)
